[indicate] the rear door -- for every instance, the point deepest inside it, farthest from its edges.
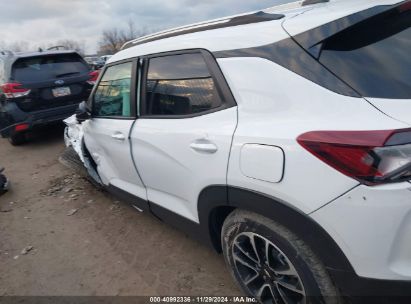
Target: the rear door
(106, 134)
(55, 80)
(181, 141)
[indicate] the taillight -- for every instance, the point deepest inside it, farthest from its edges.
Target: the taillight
(405, 7)
(14, 90)
(21, 127)
(371, 157)
(93, 77)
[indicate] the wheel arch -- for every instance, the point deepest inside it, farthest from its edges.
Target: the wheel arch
(217, 202)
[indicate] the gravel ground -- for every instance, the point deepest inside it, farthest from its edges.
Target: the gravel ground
(61, 236)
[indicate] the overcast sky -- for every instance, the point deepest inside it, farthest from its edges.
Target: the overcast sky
(41, 22)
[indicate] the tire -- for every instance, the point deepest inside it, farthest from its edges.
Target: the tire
(3, 184)
(293, 274)
(17, 139)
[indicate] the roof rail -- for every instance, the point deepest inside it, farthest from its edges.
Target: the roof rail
(285, 6)
(176, 29)
(309, 2)
(7, 53)
(57, 48)
(256, 17)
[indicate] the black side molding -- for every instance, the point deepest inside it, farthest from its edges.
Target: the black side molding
(194, 230)
(128, 198)
(241, 20)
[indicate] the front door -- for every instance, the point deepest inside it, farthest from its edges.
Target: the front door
(107, 133)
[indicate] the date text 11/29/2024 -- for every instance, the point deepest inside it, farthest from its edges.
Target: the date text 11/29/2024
(202, 300)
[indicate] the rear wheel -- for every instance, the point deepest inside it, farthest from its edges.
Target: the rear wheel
(272, 264)
(18, 139)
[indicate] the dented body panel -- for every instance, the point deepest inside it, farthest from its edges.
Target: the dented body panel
(74, 141)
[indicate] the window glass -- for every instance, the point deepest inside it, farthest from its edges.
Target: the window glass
(373, 56)
(180, 85)
(50, 67)
(112, 96)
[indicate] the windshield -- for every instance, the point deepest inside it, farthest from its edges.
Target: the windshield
(373, 56)
(35, 69)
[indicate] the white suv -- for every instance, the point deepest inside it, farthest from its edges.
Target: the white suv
(281, 138)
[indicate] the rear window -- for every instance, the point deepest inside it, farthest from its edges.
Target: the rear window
(374, 56)
(35, 69)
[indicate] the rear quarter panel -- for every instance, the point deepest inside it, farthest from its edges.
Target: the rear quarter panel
(275, 106)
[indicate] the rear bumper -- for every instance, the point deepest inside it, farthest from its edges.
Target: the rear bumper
(13, 116)
(372, 226)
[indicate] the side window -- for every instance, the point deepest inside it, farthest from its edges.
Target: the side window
(112, 96)
(179, 85)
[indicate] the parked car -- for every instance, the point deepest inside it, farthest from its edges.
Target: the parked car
(38, 88)
(102, 61)
(91, 61)
(281, 138)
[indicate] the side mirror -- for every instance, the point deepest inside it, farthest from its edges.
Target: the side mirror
(82, 113)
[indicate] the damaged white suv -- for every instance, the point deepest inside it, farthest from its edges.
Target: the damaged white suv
(281, 138)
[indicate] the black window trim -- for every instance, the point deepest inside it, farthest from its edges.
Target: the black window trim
(133, 89)
(220, 82)
(311, 39)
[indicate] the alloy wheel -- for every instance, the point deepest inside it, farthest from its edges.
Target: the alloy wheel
(266, 271)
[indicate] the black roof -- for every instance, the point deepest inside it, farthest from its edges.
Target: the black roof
(33, 54)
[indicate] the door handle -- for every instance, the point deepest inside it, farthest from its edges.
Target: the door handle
(118, 136)
(204, 146)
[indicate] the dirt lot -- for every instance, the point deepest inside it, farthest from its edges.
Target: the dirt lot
(104, 248)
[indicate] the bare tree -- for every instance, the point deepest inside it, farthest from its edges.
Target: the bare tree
(20, 46)
(131, 32)
(16, 46)
(113, 39)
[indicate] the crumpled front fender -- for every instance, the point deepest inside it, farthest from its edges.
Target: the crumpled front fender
(74, 139)
(73, 135)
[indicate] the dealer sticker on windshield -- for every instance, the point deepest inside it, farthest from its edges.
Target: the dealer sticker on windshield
(61, 91)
